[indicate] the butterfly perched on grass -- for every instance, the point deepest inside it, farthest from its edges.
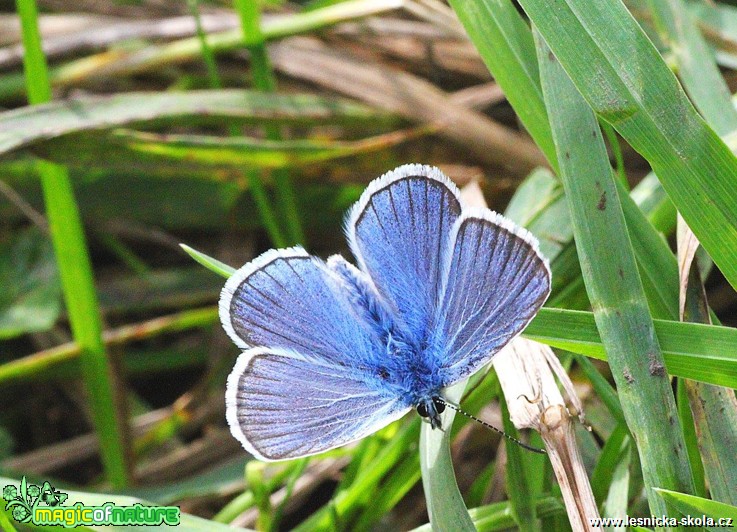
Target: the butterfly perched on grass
(333, 352)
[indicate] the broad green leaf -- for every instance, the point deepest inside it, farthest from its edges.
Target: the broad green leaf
(613, 283)
(695, 62)
(623, 78)
(706, 353)
(506, 46)
(30, 299)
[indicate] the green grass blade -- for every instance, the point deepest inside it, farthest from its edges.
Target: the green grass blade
(692, 441)
(503, 40)
(6, 523)
(81, 301)
(211, 264)
(606, 393)
(706, 353)
(505, 43)
(714, 409)
(367, 479)
(617, 498)
(403, 478)
(690, 505)
(120, 149)
(67, 235)
(29, 125)
(519, 490)
(157, 56)
(444, 502)
(207, 54)
(264, 80)
(696, 66)
(34, 62)
(616, 444)
(622, 76)
(498, 516)
(614, 285)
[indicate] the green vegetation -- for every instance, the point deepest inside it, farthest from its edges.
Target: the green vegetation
(127, 128)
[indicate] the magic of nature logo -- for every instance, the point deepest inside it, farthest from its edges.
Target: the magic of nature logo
(44, 505)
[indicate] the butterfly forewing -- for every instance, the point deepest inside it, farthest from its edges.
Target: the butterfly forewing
(398, 232)
(495, 282)
(286, 299)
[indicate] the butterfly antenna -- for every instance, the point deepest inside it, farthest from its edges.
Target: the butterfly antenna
(492, 427)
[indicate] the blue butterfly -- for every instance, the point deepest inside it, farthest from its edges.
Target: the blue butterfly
(333, 353)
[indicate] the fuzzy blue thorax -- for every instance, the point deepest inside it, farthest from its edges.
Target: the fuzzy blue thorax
(404, 363)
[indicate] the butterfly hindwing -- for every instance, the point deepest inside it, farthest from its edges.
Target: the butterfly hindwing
(280, 406)
(398, 232)
(495, 282)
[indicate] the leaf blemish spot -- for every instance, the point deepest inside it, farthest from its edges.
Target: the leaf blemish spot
(628, 376)
(602, 202)
(656, 367)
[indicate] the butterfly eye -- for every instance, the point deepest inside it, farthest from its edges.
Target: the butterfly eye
(422, 410)
(439, 404)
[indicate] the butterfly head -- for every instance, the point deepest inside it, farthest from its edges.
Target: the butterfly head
(431, 409)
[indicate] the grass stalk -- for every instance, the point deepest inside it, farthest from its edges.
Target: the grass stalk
(714, 408)
(29, 367)
(264, 80)
(614, 285)
(258, 190)
(208, 55)
(445, 504)
(67, 235)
